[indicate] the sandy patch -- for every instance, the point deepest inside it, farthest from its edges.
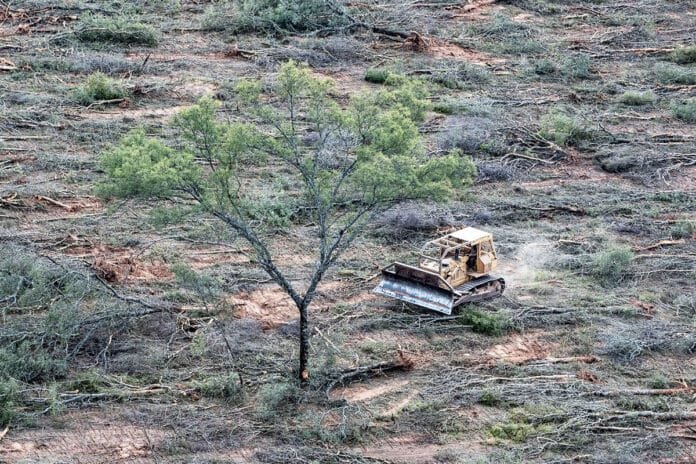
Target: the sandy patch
(88, 440)
(519, 349)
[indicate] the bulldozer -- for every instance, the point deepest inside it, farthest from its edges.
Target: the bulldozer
(454, 269)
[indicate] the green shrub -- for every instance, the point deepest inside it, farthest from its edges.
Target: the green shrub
(562, 128)
(637, 98)
(376, 75)
(489, 398)
(29, 363)
(683, 229)
(658, 381)
(513, 431)
(98, 87)
(274, 398)
(272, 16)
(544, 67)
(672, 74)
(485, 323)
(8, 398)
(95, 28)
(683, 55)
(611, 265)
(685, 110)
(459, 75)
(577, 66)
(224, 387)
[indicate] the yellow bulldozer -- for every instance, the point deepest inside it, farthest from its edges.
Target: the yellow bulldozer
(454, 269)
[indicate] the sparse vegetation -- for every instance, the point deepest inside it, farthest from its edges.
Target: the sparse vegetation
(685, 110)
(136, 324)
(127, 31)
(577, 66)
(611, 265)
(683, 55)
(672, 74)
(637, 98)
(98, 87)
(562, 128)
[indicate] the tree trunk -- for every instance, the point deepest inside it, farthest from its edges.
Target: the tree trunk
(304, 343)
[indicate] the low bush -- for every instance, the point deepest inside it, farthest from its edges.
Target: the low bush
(8, 398)
(577, 66)
(377, 75)
(563, 129)
(458, 75)
(275, 398)
(273, 16)
(544, 67)
(95, 28)
(685, 110)
(637, 98)
(683, 55)
(513, 431)
(611, 265)
(98, 87)
(224, 387)
(672, 74)
(484, 322)
(683, 229)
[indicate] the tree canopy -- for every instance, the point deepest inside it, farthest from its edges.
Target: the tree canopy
(292, 154)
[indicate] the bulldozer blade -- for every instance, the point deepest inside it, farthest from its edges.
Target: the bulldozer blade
(434, 298)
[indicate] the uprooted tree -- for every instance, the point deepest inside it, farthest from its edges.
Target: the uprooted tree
(293, 155)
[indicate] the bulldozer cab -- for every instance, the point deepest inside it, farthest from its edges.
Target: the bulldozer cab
(466, 252)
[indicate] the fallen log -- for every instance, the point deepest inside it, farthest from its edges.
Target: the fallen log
(402, 363)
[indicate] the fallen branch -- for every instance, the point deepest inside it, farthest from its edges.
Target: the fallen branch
(583, 359)
(643, 391)
(55, 202)
(659, 244)
(402, 363)
(106, 102)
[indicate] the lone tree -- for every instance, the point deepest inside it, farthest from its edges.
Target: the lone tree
(292, 155)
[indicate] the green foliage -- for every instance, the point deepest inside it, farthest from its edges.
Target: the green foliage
(141, 166)
(275, 398)
(96, 28)
(272, 16)
(658, 381)
(8, 399)
(562, 129)
(377, 75)
(27, 362)
(99, 86)
(388, 165)
(484, 322)
(544, 67)
(611, 265)
(672, 74)
(489, 398)
(224, 387)
(577, 66)
(683, 55)
(637, 98)
(683, 229)
(458, 75)
(86, 382)
(685, 110)
(514, 431)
